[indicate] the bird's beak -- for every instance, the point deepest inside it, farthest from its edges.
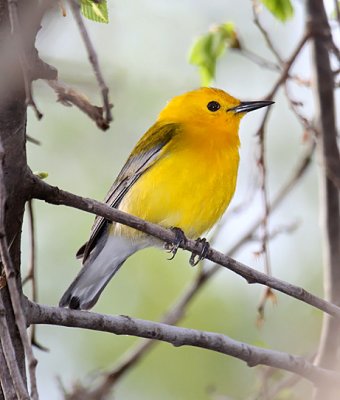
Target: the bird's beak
(246, 106)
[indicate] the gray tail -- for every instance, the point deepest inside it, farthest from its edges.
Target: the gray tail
(83, 294)
(96, 273)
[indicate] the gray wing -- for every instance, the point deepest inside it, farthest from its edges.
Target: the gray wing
(147, 151)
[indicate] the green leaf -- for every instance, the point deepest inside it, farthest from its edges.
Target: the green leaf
(41, 174)
(281, 9)
(95, 11)
(211, 46)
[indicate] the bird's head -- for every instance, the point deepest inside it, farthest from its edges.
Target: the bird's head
(209, 108)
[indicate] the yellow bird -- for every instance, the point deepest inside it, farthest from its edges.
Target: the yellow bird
(181, 174)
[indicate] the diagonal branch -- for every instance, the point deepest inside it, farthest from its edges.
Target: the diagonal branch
(75, 7)
(178, 336)
(287, 65)
(43, 191)
(265, 34)
(68, 96)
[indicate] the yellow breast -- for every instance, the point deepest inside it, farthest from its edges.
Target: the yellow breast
(190, 186)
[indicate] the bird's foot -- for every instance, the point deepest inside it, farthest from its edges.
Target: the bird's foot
(180, 239)
(196, 258)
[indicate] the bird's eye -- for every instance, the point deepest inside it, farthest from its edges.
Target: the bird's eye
(213, 106)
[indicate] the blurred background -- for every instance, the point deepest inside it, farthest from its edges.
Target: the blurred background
(143, 53)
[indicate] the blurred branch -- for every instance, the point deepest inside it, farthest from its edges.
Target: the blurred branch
(31, 276)
(258, 60)
(68, 96)
(15, 28)
(278, 230)
(329, 167)
(295, 107)
(75, 7)
(31, 265)
(12, 285)
(123, 325)
(43, 191)
(265, 34)
(269, 390)
(286, 67)
(24, 26)
(33, 140)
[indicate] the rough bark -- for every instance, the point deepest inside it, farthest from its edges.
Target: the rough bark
(13, 137)
(329, 196)
(12, 140)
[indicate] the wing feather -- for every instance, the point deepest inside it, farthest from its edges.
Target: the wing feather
(150, 148)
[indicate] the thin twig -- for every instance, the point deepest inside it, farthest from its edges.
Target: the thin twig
(295, 107)
(68, 96)
(178, 336)
(31, 264)
(13, 288)
(31, 276)
(265, 34)
(24, 64)
(75, 7)
(264, 237)
(274, 389)
(268, 294)
(258, 60)
(287, 65)
(278, 230)
(33, 140)
(10, 357)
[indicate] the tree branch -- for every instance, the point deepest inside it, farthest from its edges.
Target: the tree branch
(287, 65)
(329, 163)
(68, 96)
(178, 336)
(75, 7)
(265, 34)
(43, 191)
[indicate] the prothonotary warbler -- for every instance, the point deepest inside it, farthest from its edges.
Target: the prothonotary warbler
(181, 174)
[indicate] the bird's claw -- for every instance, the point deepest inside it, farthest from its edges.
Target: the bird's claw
(180, 239)
(196, 258)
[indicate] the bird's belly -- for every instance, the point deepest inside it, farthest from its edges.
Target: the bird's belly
(189, 191)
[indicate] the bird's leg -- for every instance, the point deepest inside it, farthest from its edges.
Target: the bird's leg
(205, 249)
(180, 239)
